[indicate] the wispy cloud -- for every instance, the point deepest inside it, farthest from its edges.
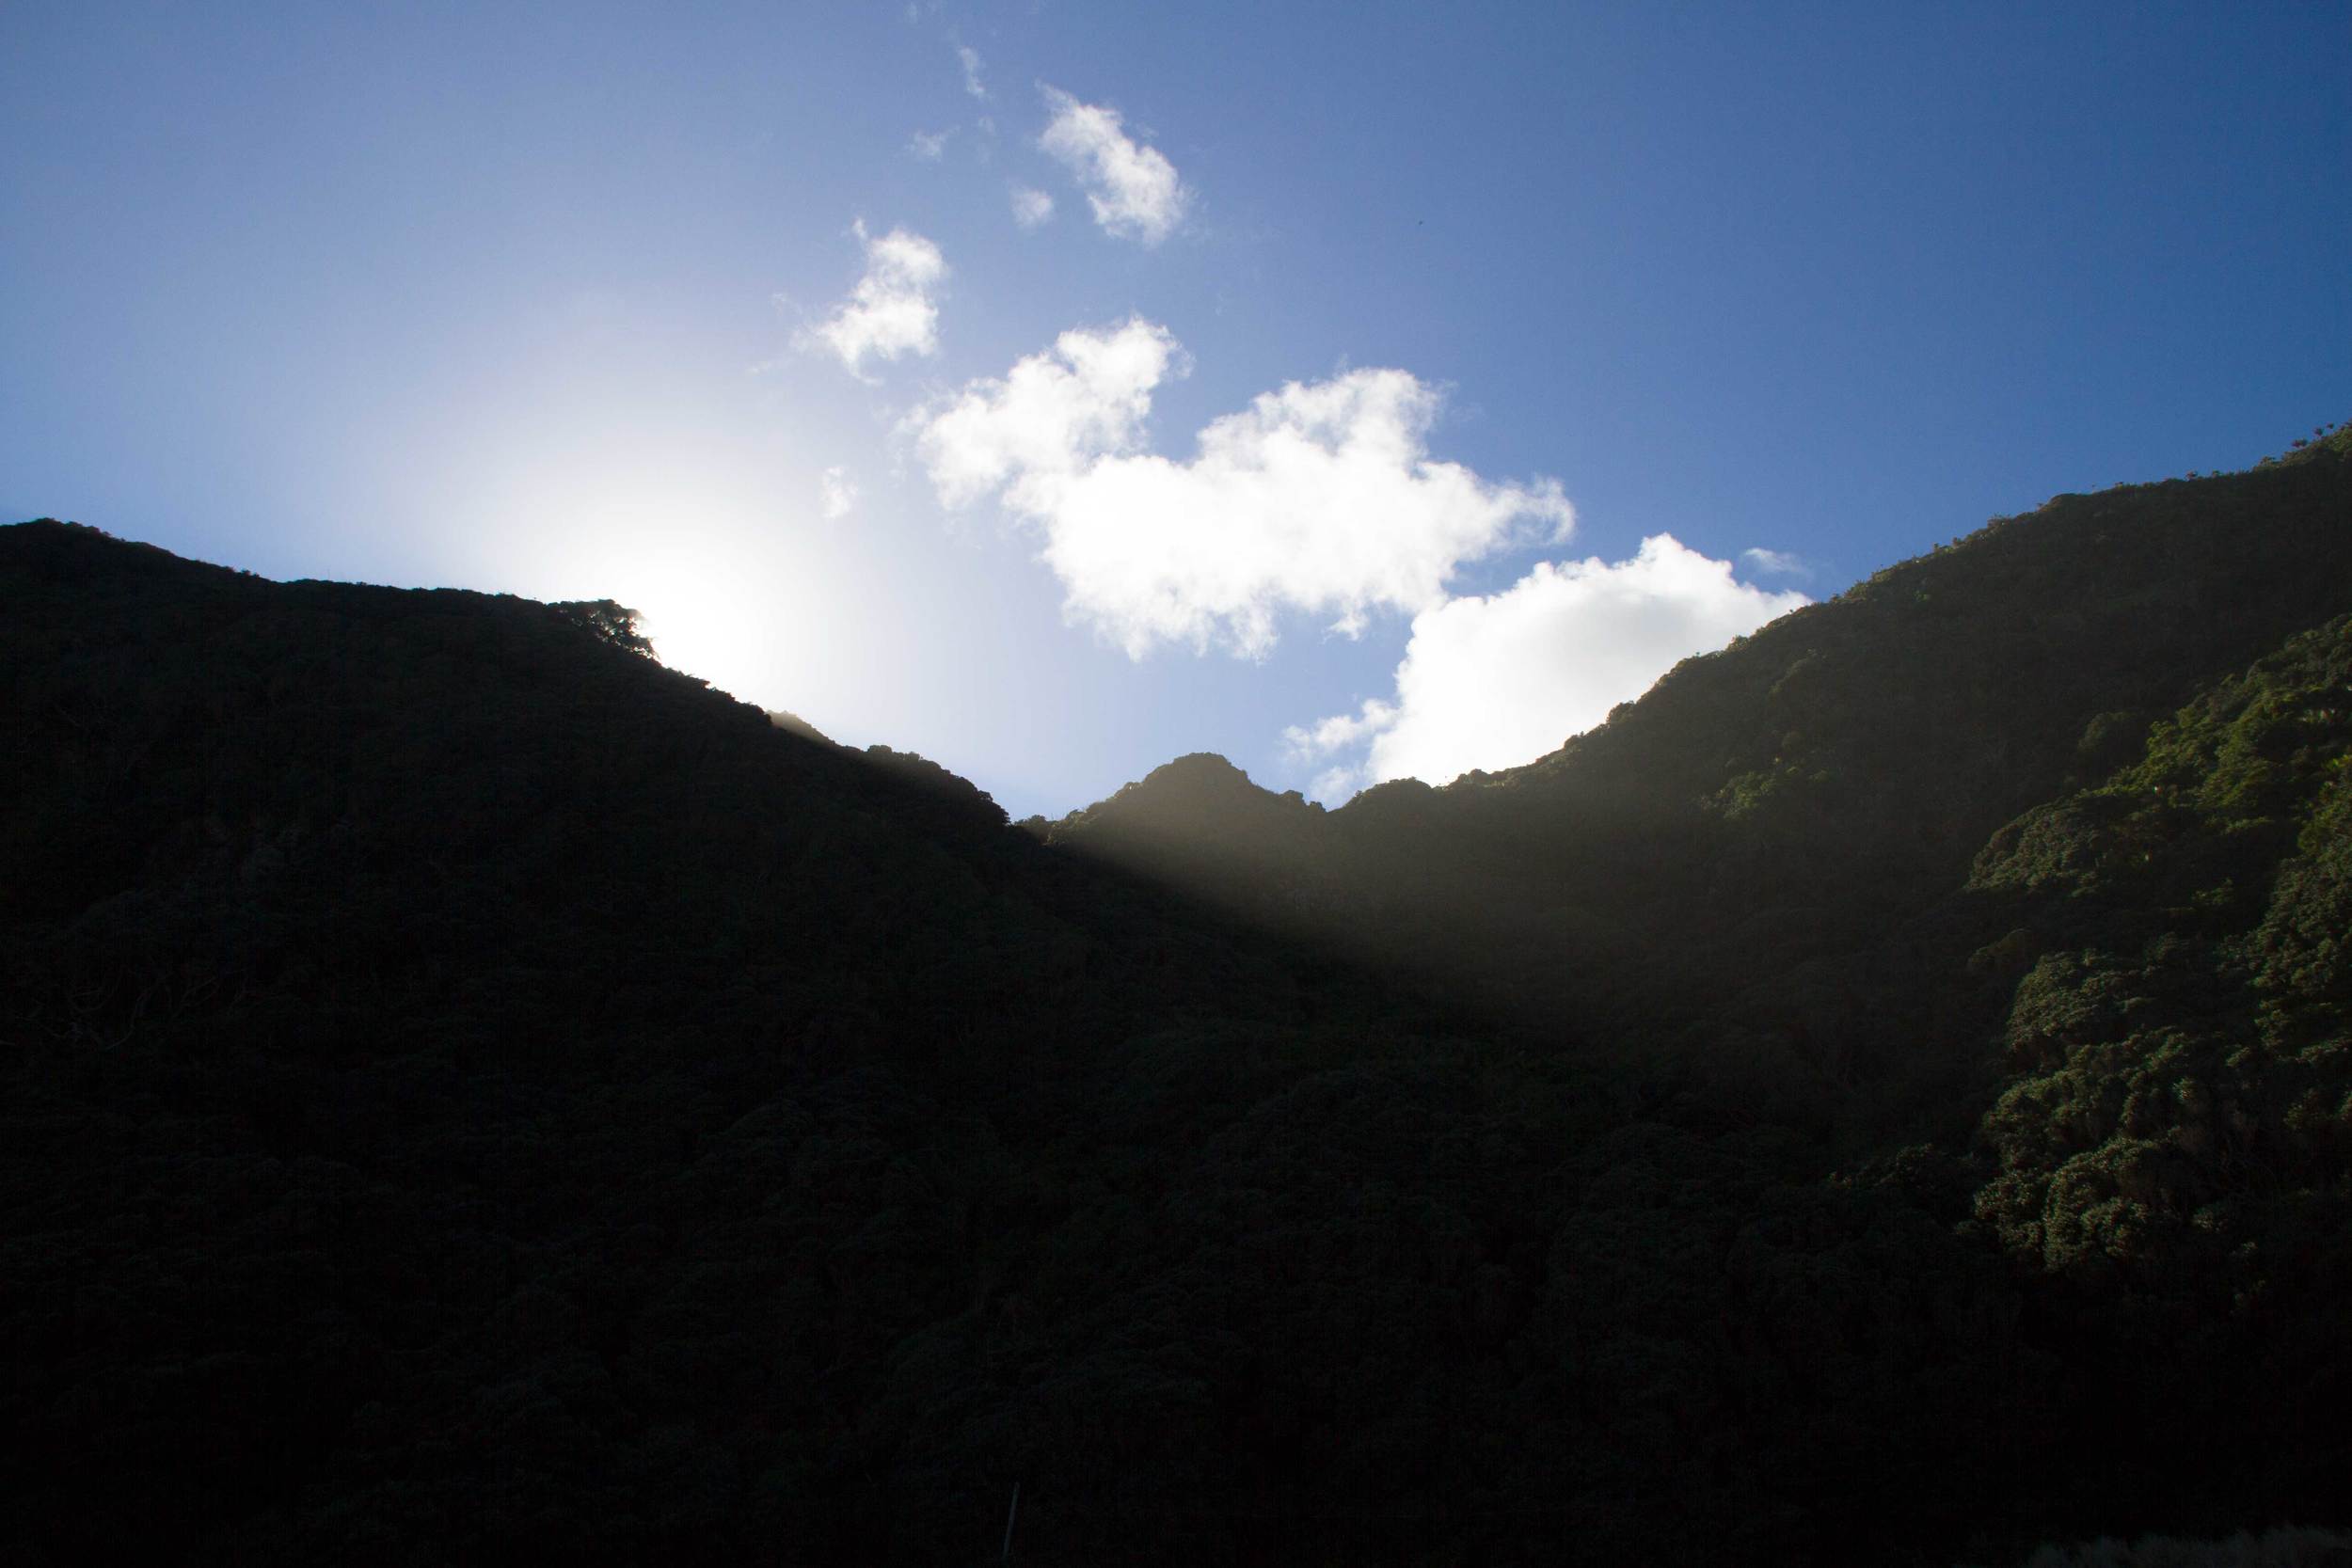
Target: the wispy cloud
(970, 59)
(1133, 190)
(929, 145)
(1499, 680)
(1031, 207)
(836, 493)
(890, 311)
(1320, 497)
(1775, 562)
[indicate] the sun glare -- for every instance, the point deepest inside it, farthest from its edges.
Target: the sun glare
(704, 619)
(678, 529)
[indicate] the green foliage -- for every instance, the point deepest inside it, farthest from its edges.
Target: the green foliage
(2173, 1115)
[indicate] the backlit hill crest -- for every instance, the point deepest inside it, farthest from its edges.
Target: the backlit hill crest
(467, 1092)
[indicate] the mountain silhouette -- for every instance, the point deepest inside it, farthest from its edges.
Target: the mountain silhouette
(1798, 790)
(472, 1093)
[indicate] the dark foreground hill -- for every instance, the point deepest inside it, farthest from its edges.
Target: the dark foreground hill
(471, 1092)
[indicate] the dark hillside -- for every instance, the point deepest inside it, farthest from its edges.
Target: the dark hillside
(467, 1092)
(1797, 793)
(437, 1031)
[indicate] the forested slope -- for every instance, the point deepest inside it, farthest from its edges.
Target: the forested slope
(1791, 795)
(469, 1082)
(471, 1091)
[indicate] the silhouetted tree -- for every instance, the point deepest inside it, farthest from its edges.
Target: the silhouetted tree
(614, 623)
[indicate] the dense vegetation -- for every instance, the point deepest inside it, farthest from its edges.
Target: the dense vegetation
(1887, 1095)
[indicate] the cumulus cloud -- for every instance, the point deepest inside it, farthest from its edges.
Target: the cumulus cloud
(891, 312)
(927, 145)
(836, 493)
(1051, 417)
(1319, 498)
(1133, 190)
(1776, 564)
(970, 59)
(1030, 207)
(1498, 680)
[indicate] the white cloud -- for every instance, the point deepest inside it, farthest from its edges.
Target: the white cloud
(970, 59)
(1031, 207)
(1053, 415)
(890, 311)
(1496, 681)
(1776, 564)
(836, 493)
(1318, 498)
(927, 145)
(1133, 190)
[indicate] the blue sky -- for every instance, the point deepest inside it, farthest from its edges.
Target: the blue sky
(563, 300)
